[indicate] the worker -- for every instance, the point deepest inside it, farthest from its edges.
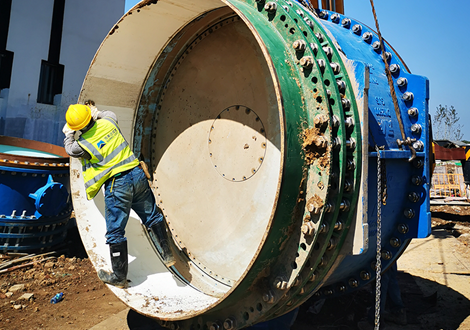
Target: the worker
(107, 160)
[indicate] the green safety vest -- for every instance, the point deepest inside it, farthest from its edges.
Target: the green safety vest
(110, 154)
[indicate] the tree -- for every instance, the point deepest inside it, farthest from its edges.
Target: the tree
(445, 124)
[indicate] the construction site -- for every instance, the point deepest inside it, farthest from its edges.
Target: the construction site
(288, 149)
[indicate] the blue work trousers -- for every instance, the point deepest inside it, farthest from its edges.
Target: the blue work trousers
(123, 192)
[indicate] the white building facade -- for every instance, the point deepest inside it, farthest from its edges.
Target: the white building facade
(46, 47)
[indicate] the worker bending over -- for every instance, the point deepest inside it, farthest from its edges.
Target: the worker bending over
(108, 160)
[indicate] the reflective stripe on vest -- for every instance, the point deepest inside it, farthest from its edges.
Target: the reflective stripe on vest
(110, 154)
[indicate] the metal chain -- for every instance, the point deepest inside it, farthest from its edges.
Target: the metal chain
(378, 266)
(384, 184)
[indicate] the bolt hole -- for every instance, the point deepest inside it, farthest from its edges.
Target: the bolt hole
(327, 82)
(259, 307)
(296, 21)
(305, 33)
(292, 31)
(314, 80)
(319, 99)
(283, 18)
(252, 309)
(332, 101)
(286, 26)
(303, 246)
(315, 90)
(246, 316)
(293, 265)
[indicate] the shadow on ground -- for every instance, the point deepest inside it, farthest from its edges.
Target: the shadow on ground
(444, 309)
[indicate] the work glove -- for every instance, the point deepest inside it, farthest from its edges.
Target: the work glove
(67, 130)
(94, 110)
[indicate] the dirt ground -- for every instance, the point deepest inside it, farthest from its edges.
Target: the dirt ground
(87, 301)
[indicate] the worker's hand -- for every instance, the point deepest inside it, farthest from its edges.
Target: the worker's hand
(67, 130)
(94, 112)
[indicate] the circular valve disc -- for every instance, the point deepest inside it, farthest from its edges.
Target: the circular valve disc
(237, 143)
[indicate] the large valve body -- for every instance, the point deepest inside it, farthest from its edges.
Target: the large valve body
(261, 124)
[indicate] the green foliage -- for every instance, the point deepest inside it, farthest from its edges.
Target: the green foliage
(445, 124)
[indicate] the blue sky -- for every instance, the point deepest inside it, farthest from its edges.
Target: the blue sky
(432, 40)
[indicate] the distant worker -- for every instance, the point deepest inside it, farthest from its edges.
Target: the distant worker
(108, 160)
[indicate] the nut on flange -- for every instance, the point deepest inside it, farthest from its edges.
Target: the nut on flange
(308, 228)
(280, 283)
(299, 45)
(229, 324)
(268, 297)
(320, 120)
(270, 7)
(306, 62)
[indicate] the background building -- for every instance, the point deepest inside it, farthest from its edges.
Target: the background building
(45, 50)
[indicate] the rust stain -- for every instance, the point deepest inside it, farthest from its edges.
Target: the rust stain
(316, 201)
(313, 148)
(114, 30)
(146, 3)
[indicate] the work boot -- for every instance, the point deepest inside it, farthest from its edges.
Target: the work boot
(118, 277)
(159, 236)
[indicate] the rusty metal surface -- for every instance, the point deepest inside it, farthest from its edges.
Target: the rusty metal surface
(51, 163)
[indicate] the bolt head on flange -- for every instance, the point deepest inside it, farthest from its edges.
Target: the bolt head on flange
(299, 45)
(320, 120)
(321, 142)
(413, 112)
(214, 326)
(408, 96)
(386, 255)
(229, 324)
(268, 297)
(306, 62)
(308, 228)
(357, 29)
(280, 283)
(270, 7)
(394, 68)
(416, 128)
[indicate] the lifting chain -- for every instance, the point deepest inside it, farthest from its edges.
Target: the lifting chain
(383, 184)
(381, 199)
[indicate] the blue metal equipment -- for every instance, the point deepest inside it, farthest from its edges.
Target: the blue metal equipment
(34, 187)
(272, 136)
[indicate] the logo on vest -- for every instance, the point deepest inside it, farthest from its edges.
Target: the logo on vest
(101, 144)
(107, 138)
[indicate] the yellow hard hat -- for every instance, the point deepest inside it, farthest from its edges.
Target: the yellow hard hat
(78, 116)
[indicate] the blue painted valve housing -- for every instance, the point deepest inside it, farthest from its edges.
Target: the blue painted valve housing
(35, 203)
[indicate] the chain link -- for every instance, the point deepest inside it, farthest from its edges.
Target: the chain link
(378, 266)
(384, 183)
